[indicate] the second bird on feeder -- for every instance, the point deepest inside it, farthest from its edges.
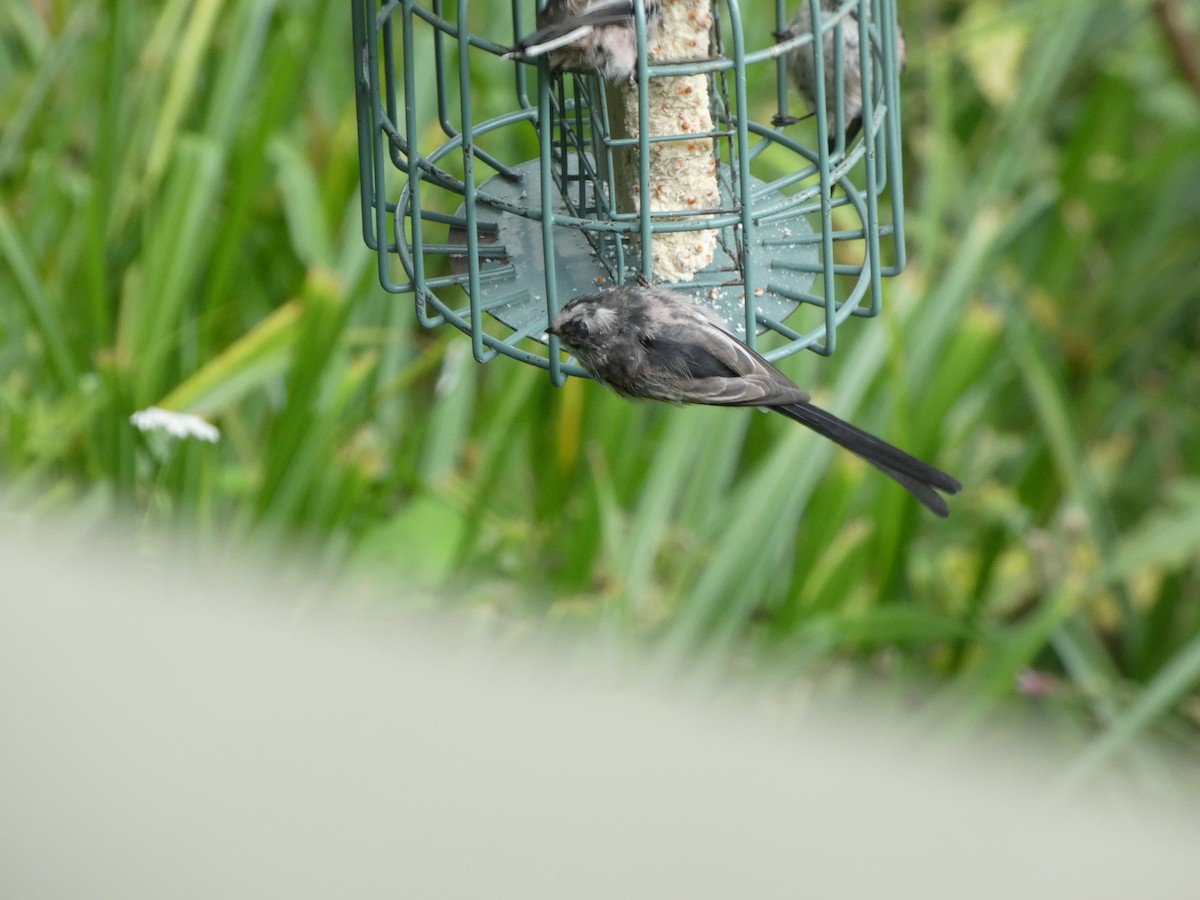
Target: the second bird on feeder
(589, 34)
(802, 68)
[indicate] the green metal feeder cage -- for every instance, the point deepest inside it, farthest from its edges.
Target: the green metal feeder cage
(741, 215)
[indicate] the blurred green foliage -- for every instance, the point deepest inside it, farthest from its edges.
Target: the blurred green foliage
(179, 225)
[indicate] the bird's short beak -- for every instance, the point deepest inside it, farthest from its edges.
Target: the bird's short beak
(550, 329)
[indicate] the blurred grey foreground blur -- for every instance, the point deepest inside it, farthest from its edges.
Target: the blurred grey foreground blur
(162, 737)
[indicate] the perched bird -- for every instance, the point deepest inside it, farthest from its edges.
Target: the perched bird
(645, 341)
(802, 68)
(589, 34)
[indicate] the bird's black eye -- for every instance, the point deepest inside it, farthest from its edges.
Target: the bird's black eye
(573, 328)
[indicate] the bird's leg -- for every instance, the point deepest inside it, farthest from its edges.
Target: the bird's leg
(781, 121)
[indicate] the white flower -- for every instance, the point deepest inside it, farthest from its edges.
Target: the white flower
(180, 425)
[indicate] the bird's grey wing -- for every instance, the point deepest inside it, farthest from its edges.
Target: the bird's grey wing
(800, 60)
(719, 370)
(850, 32)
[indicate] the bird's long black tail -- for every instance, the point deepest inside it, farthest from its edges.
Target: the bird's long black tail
(919, 478)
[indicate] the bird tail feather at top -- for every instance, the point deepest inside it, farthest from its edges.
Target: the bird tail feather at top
(558, 34)
(542, 42)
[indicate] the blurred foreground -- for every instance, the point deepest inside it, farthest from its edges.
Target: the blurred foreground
(168, 732)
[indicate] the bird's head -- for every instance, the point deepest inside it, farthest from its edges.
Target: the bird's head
(585, 321)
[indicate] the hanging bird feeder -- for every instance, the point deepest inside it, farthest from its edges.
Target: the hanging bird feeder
(493, 222)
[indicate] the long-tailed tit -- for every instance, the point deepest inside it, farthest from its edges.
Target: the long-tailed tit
(654, 343)
(802, 68)
(589, 34)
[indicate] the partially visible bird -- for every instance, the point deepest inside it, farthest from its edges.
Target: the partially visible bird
(802, 68)
(589, 34)
(654, 343)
